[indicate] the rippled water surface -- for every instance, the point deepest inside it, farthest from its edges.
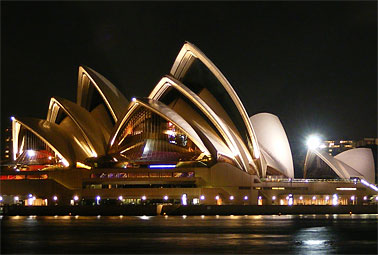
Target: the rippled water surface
(307, 234)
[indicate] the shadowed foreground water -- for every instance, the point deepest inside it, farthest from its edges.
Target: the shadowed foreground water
(307, 234)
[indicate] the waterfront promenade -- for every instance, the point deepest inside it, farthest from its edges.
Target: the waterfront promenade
(153, 210)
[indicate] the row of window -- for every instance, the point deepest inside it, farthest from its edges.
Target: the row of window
(144, 175)
(128, 186)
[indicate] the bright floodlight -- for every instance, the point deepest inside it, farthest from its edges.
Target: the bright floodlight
(313, 142)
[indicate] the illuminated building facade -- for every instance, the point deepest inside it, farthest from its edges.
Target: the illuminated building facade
(190, 141)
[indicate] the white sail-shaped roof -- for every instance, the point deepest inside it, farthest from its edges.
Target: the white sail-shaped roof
(51, 134)
(273, 142)
(114, 100)
(234, 143)
(201, 76)
(342, 169)
(360, 159)
(82, 121)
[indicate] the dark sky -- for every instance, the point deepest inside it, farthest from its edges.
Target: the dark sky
(314, 64)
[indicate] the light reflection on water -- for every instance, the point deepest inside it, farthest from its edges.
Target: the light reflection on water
(270, 234)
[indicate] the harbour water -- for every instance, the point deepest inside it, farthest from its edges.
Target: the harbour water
(269, 234)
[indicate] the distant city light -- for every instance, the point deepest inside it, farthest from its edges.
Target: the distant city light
(55, 198)
(16, 198)
(352, 198)
(144, 197)
(133, 99)
(98, 198)
(120, 198)
(76, 198)
(300, 198)
(202, 197)
(376, 198)
(245, 197)
(12, 118)
(274, 198)
(365, 197)
(327, 198)
(313, 142)
(314, 198)
(231, 197)
(166, 197)
(30, 195)
(1, 198)
(217, 197)
(259, 197)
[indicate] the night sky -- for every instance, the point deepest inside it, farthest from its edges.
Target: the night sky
(314, 64)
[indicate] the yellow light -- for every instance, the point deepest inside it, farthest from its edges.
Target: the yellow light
(81, 165)
(278, 188)
(345, 188)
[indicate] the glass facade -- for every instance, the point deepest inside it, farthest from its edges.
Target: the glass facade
(147, 137)
(34, 154)
(317, 168)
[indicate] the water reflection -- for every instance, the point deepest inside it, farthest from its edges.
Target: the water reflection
(270, 234)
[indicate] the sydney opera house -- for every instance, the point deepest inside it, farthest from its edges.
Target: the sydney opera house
(190, 141)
